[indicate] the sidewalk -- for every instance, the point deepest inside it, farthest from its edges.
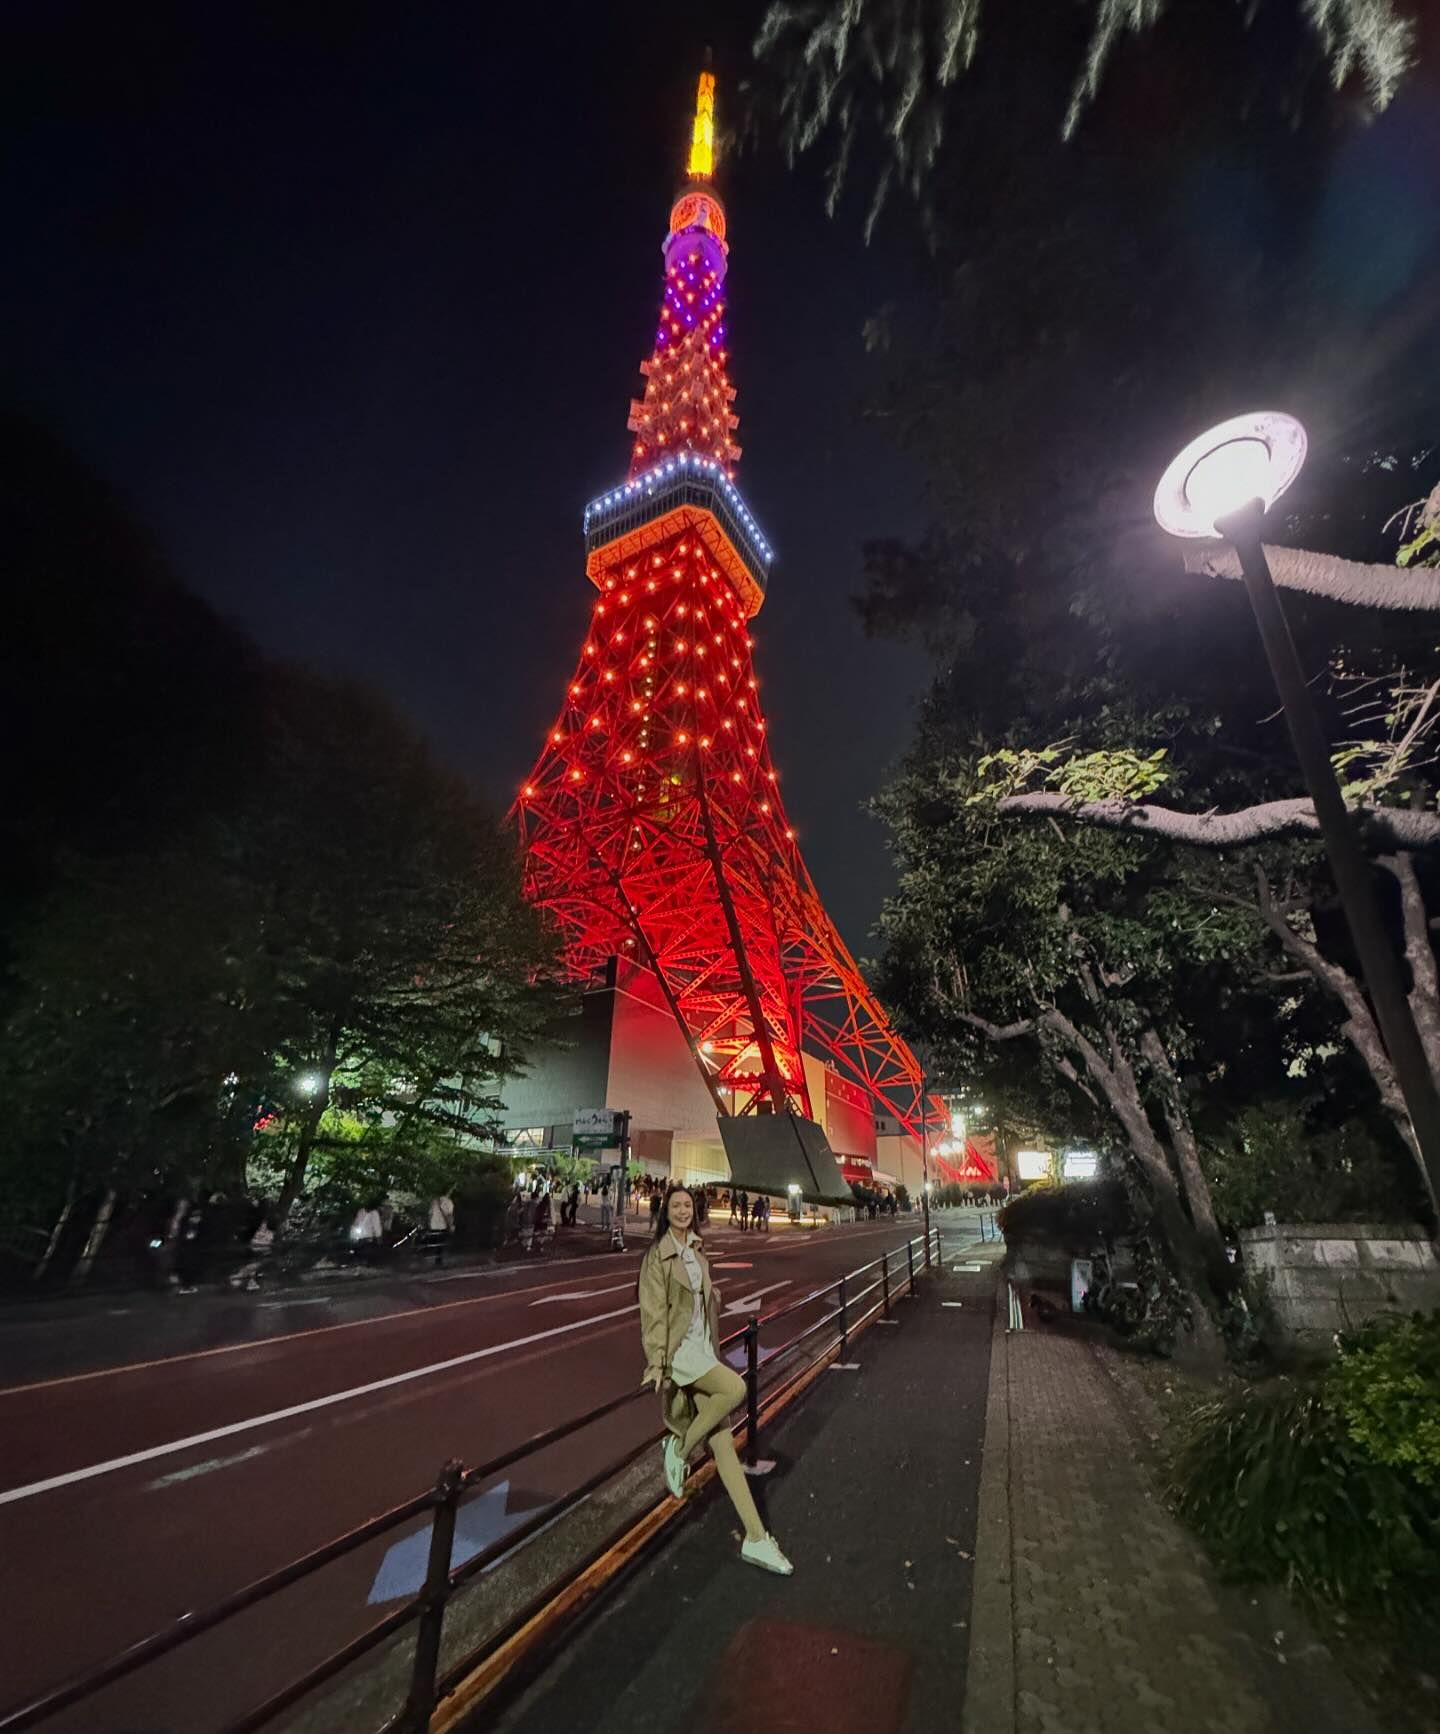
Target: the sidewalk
(1086, 1608)
(1095, 1611)
(874, 1500)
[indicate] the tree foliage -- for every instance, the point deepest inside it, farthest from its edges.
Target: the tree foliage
(267, 905)
(892, 71)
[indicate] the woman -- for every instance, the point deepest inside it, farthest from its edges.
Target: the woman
(679, 1328)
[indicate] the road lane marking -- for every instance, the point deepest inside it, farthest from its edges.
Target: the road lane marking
(489, 1272)
(14, 1494)
(208, 1467)
(549, 1300)
(751, 1302)
(253, 1343)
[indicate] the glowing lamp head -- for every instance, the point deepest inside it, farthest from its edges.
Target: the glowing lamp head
(1250, 457)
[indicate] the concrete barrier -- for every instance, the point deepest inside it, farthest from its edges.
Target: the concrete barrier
(1324, 1277)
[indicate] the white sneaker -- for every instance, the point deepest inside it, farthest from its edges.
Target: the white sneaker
(674, 1467)
(767, 1555)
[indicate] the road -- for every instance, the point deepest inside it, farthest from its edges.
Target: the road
(135, 1490)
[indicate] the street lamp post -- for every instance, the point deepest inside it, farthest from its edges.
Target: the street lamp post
(1223, 483)
(925, 1158)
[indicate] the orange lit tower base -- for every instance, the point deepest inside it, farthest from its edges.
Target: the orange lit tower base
(652, 824)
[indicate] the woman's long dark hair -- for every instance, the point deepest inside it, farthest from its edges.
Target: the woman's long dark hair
(662, 1221)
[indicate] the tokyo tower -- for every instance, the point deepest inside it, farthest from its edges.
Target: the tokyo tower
(652, 825)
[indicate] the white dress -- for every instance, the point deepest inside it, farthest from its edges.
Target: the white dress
(696, 1354)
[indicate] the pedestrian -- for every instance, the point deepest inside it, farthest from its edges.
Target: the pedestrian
(262, 1246)
(742, 1204)
(542, 1224)
(702, 1207)
(760, 1214)
(527, 1222)
(679, 1328)
(574, 1202)
(367, 1231)
(607, 1210)
(442, 1225)
(655, 1203)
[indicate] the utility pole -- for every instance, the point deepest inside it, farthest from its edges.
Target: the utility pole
(617, 1226)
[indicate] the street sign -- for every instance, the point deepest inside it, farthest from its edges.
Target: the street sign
(596, 1128)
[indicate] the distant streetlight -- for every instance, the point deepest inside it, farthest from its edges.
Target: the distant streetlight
(1222, 484)
(310, 1083)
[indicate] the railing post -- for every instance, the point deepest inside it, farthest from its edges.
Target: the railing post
(885, 1278)
(752, 1393)
(844, 1324)
(433, 1599)
(754, 1464)
(927, 1246)
(910, 1262)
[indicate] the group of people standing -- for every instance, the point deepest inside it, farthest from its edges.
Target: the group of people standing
(749, 1213)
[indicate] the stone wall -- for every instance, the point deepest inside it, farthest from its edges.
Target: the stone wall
(1323, 1277)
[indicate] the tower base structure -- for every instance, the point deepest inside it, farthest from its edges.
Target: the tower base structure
(623, 1050)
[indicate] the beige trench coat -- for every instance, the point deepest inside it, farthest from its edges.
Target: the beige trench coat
(666, 1307)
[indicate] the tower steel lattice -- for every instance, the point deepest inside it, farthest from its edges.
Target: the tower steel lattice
(652, 824)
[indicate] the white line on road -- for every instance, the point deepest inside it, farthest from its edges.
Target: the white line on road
(751, 1302)
(208, 1467)
(14, 1494)
(549, 1300)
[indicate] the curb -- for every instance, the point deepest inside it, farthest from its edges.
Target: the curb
(990, 1670)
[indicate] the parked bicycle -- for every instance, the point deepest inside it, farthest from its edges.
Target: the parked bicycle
(1150, 1310)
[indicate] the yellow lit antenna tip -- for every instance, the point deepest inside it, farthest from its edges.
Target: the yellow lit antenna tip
(702, 134)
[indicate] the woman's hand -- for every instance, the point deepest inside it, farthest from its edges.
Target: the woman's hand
(655, 1380)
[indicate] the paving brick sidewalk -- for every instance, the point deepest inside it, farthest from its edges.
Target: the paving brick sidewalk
(1095, 1612)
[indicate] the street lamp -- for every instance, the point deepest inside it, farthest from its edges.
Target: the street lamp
(1222, 484)
(925, 1159)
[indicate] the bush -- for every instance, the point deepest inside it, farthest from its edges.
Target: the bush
(1076, 1217)
(1329, 1485)
(1386, 1386)
(1272, 1160)
(482, 1192)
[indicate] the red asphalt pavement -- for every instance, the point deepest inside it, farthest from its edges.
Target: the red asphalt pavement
(134, 1493)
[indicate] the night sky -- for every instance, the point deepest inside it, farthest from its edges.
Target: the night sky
(348, 302)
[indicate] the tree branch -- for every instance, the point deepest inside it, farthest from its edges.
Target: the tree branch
(1359, 1028)
(1389, 827)
(1364, 586)
(998, 1032)
(1066, 1069)
(1419, 954)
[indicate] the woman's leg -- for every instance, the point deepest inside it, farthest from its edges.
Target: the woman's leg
(717, 1393)
(737, 1484)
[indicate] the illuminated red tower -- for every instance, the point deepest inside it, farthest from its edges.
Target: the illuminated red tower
(652, 823)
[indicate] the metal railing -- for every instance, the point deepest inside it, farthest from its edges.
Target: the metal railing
(428, 1685)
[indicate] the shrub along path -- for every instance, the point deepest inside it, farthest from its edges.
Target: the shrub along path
(1094, 1611)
